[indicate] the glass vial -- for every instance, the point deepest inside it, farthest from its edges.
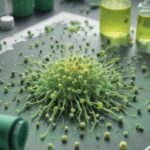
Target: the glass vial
(143, 24)
(115, 18)
(44, 5)
(23, 8)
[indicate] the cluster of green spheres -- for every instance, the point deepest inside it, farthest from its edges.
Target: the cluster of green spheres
(79, 87)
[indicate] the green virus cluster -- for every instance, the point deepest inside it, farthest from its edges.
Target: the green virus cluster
(78, 87)
(84, 89)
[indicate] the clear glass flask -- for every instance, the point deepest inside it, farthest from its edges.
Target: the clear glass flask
(115, 18)
(143, 24)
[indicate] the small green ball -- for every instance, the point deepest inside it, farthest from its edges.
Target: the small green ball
(148, 108)
(43, 137)
(97, 137)
(56, 109)
(123, 145)
(133, 77)
(134, 98)
(88, 118)
(120, 120)
(73, 110)
(37, 44)
(82, 125)
(47, 116)
(82, 100)
(21, 90)
(107, 136)
(64, 139)
(97, 116)
(82, 134)
(6, 106)
(109, 125)
(139, 128)
(66, 129)
(60, 86)
(26, 60)
(51, 146)
(144, 68)
(41, 51)
(139, 111)
(135, 90)
(102, 119)
(53, 126)
(13, 74)
(54, 95)
(13, 84)
(77, 145)
(51, 120)
(71, 115)
(125, 134)
(5, 90)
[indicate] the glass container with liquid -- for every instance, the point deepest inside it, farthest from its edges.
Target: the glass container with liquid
(23, 8)
(143, 25)
(115, 16)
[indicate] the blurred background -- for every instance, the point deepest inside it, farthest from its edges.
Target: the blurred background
(88, 8)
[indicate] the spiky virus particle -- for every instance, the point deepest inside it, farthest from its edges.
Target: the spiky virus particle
(82, 88)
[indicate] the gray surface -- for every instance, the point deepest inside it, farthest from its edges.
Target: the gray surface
(60, 5)
(136, 141)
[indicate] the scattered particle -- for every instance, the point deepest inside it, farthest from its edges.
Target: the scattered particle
(82, 125)
(144, 68)
(5, 90)
(107, 136)
(38, 125)
(148, 108)
(43, 137)
(66, 129)
(64, 139)
(108, 125)
(139, 128)
(139, 111)
(120, 120)
(76, 145)
(82, 134)
(51, 146)
(125, 134)
(6, 106)
(97, 137)
(123, 145)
